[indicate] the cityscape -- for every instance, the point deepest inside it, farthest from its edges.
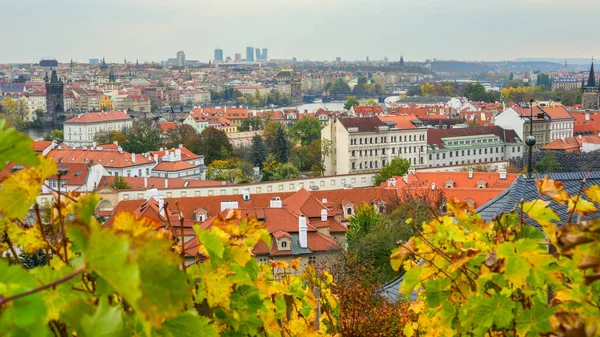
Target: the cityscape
(238, 186)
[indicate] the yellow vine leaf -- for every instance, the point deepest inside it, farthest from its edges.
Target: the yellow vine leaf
(593, 193)
(552, 189)
(581, 205)
(19, 190)
(135, 224)
(539, 211)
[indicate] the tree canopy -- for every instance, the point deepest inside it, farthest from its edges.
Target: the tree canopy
(144, 136)
(306, 130)
(184, 135)
(214, 144)
(397, 167)
(109, 137)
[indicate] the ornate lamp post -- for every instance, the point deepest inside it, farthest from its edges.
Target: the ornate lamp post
(530, 140)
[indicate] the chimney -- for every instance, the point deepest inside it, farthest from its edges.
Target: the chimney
(470, 173)
(276, 203)
(166, 182)
(502, 173)
(324, 200)
(302, 232)
(93, 144)
(587, 116)
(145, 182)
(229, 205)
(155, 158)
(433, 186)
(391, 182)
(116, 143)
(161, 206)
(412, 170)
(181, 146)
(405, 178)
(133, 157)
(323, 214)
(120, 149)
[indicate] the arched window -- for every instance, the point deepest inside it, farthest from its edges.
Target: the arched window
(284, 244)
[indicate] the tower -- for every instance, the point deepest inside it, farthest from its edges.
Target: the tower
(181, 59)
(219, 54)
(590, 93)
(264, 54)
(249, 54)
(55, 101)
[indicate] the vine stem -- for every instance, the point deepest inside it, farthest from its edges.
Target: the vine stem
(44, 287)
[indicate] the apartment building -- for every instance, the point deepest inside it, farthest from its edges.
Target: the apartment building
(519, 119)
(367, 144)
(81, 129)
(472, 145)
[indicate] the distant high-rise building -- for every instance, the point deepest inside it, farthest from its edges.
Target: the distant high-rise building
(258, 55)
(264, 54)
(249, 54)
(94, 61)
(402, 61)
(180, 59)
(238, 57)
(338, 59)
(218, 54)
(49, 63)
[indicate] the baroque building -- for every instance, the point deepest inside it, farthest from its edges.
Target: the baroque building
(590, 93)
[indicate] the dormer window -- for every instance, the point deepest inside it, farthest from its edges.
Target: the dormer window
(481, 184)
(450, 183)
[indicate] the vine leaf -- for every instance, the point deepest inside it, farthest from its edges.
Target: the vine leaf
(187, 324)
(106, 322)
(581, 205)
(552, 189)
(15, 147)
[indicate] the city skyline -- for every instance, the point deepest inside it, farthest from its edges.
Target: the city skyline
(154, 30)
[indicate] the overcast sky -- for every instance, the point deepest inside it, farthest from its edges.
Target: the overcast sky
(154, 30)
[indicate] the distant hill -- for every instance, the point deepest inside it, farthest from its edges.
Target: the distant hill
(573, 61)
(501, 66)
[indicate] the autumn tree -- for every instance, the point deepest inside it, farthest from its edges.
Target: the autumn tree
(109, 137)
(350, 102)
(184, 135)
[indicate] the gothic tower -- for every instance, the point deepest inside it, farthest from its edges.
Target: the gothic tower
(55, 102)
(590, 93)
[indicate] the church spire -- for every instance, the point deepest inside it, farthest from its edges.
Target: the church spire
(592, 79)
(111, 76)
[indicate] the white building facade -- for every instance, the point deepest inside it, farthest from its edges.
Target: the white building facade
(80, 130)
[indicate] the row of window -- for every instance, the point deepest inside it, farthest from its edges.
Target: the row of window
(469, 161)
(375, 164)
(384, 139)
(376, 152)
(474, 141)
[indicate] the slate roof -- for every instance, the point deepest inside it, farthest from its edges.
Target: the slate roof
(526, 189)
(369, 124)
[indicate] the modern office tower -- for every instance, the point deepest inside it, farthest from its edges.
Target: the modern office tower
(181, 59)
(258, 56)
(94, 61)
(264, 54)
(218, 54)
(238, 57)
(249, 54)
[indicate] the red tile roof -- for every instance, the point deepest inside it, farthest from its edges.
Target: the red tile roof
(40, 146)
(402, 122)
(106, 158)
(98, 117)
(169, 166)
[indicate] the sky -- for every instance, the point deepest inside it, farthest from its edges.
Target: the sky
(154, 30)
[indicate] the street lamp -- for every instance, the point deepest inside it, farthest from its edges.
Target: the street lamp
(530, 140)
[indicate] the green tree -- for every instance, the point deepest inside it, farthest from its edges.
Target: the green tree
(286, 171)
(340, 87)
(144, 136)
(184, 135)
(256, 123)
(214, 145)
(306, 130)
(571, 97)
(244, 126)
(55, 135)
(120, 184)
(282, 146)
(548, 163)
(350, 102)
(362, 222)
(15, 112)
(232, 170)
(258, 151)
(109, 137)
(397, 167)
